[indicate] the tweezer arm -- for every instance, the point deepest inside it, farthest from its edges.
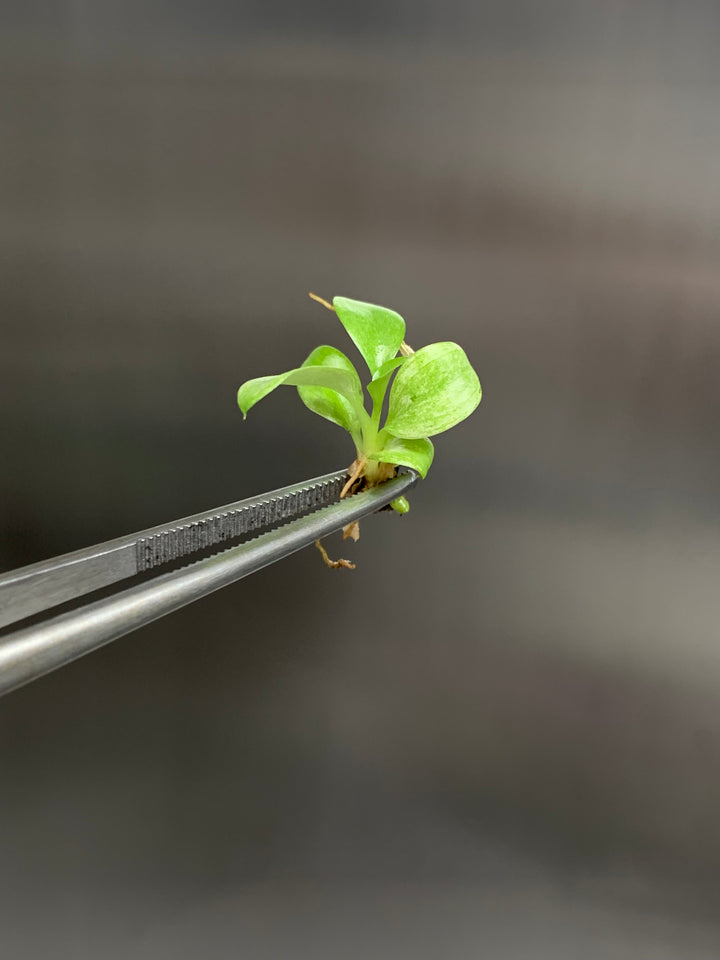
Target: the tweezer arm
(30, 653)
(40, 586)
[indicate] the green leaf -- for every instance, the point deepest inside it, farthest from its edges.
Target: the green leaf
(389, 366)
(417, 454)
(379, 383)
(435, 389)
(376, 331)
(326, 401)
(318, 376)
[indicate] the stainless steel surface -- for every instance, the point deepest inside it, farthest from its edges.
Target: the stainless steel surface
(40, 586)
(28, 654)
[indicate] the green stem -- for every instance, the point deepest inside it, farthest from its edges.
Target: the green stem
(377, 389)
(371, 424)
(366, 442)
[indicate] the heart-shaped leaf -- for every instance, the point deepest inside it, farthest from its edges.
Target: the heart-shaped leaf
(376, 331)
(417, 454)
(326, 401)
(433, 390)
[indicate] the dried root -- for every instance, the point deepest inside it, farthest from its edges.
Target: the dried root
(328, 306)
(357, 481)
(352, 530)
(335, 564)
(356, 471)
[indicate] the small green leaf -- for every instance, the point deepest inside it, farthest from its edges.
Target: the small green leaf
(376, 331)
(389, 366)
(327, 402)
(417, 454)
(435, 389)
(318, 376)
(379, 383)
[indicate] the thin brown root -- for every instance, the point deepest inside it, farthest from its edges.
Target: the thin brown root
(335, 564)
(352, 530)
(355, 472)
(314, 296)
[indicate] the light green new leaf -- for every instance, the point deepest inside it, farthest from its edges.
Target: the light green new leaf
(376, 331)
(327, 402)
(417, 454)
(389, 366)
(318, 376)
(378, 385)
(435, 389)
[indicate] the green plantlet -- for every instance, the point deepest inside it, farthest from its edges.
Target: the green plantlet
(431, 390)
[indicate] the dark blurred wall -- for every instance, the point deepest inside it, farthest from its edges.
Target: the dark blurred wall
(500, 736)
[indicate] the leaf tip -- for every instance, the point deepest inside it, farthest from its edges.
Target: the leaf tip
(244, 407)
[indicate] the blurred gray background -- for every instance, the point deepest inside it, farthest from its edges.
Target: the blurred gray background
(500, 736)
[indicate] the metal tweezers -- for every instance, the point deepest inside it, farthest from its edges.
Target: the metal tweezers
(253, 533)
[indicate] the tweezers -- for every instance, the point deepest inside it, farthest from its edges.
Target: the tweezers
(250, 535)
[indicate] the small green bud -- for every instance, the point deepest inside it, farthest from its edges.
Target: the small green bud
(400, 505)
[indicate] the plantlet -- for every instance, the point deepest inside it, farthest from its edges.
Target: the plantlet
(432, 389)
